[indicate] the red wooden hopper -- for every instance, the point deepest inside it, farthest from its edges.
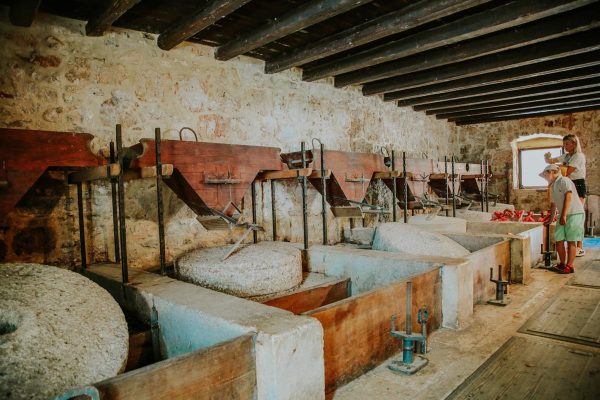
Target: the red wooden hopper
(211, 178)
(351, 174)
(26, 154)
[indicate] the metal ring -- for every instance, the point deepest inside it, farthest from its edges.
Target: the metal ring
(190, 129)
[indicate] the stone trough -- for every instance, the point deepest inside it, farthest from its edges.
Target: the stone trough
(334, 325)
(325, 327)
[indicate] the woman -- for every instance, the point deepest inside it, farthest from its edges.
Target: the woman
(574, 162)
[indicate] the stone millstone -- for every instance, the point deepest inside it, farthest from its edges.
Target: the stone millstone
(255, 270)
(410, 239)
(437, 223)
(58, 331)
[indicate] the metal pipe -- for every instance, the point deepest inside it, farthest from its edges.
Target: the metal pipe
(487, 171)
(253, 193)
(408, 319)
(304, 205)
(453, 189)
(121, 204)
(394, 188)
(324, 197)
(273, 211)
(548, 253)
(405, 180)
(482, 188)
(81, 226)
(115, 212)
(446, 177)
(159, 202)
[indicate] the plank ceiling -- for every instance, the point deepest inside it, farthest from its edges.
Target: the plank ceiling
(467, 61)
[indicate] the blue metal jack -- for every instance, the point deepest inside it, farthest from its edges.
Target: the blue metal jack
(409, 364)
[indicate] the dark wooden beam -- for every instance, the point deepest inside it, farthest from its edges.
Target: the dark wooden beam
(190, 25)
(560, 77)
(107, 14)
(533, 99)
(305, 15)
(549, 89)
(508, 15)
(532, 114)
(534, 33)
(578, 43)
(22, 12)
(407, 17)
(532, 106)
(508, 75)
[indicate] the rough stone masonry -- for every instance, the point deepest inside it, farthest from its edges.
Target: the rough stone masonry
(53, 77)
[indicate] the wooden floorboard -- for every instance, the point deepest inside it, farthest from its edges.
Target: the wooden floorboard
(588, 275)
(573, 315)
(529, 368)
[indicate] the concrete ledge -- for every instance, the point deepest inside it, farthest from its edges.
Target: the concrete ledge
(527, 251)
(192, 317)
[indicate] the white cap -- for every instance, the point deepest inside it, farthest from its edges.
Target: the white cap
(549, 167)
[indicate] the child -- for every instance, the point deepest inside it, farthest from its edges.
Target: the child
(571, 215)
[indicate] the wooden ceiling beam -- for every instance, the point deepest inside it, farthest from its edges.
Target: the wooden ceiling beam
(508, 75)
(560, 77)
(508, 15)
(408, 17)
(190, 25)
(549, 89)
(23, 12)
(109, 12)
(301, 17)
(534, 99)
(532, 106)
(578, 43)
(530, 114)
(530, 34)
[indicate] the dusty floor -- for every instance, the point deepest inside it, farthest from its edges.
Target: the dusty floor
(457, 354)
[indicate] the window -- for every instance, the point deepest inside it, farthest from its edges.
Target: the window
(531, 163)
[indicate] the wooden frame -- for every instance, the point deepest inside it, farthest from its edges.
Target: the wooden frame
(225, 370)
(357, 330)
(520, 155)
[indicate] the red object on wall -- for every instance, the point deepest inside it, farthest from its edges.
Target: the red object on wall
(210, 175)
(26, 154)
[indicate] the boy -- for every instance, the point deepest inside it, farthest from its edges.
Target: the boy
(571, 215)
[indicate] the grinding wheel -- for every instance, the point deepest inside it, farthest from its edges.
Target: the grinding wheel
(58, 330)
(254, 270)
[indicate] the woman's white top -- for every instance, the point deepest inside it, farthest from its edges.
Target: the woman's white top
(575, 160)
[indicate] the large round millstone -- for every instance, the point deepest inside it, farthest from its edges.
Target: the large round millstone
(411, 239)
(58, 330)
(437, 223)
(255, 270)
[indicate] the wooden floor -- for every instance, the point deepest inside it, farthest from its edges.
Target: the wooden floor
(558, 357)
(530, 368)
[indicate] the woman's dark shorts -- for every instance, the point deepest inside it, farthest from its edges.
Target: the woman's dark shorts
(580, 186)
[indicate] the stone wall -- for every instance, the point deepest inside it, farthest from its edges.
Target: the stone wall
(493, 141)
(52, 77)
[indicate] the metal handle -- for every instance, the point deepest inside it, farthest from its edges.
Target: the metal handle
(189, 129)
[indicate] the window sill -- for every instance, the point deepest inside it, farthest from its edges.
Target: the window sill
(532, 189)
